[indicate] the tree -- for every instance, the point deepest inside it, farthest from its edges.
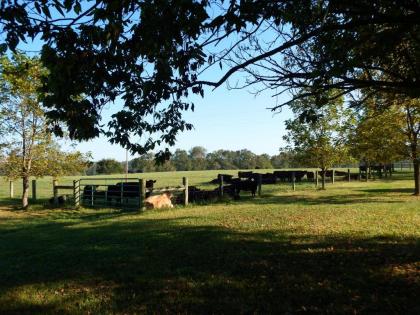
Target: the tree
(221, 160)
(263, 161)
(198, 158)
(377, 136)
(285, 159)
(28, 147)
(143, 163)
(181, 160)
(154, 54)
(412, 132)
(388, 134)
(321, 140)
(109, 166)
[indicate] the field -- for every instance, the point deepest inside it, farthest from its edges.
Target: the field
(354, 248)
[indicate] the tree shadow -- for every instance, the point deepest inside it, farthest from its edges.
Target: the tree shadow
(341, 199)
(388, 190)
(169, 266)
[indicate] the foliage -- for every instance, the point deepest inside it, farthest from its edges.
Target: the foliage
(319, 141)
(181, 160)
(27, 146)
(109, 166)
(378, 136)
(155, 54)
(198, 158)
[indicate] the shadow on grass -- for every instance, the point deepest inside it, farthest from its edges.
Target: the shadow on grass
(388, 190)
(168, 266)
(297, 198)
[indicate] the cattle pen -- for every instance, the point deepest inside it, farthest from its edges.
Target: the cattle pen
(126, 193)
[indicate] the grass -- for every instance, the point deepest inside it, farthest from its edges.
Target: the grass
(354, 248)
(197, 178)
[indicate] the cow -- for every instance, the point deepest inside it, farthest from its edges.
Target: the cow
(159, 201)
(88, 193)
(245, 174)
(246, 185)
(226, 179)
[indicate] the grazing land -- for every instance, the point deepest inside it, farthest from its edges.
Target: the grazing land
(354, 248)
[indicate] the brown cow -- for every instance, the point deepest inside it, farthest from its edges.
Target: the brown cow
(159, 201)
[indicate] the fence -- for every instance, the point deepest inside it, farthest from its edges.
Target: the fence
(126, 193)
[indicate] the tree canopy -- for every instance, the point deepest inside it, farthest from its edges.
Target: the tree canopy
(154, 54)
(28, 149)
(321, 141)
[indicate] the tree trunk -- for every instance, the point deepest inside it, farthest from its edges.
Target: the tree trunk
(323, 178)
(25, 192)
(416, 164)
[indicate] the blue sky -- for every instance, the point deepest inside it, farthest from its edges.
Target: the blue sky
(223, 119)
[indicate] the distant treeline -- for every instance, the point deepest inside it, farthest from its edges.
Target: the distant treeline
(196, 159)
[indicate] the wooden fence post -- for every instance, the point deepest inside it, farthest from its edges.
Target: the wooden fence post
(221, 185)
(348, 175)
(185, 183)
(259, 184)
(333, 176)
(11, 189)
(142, 193)
(76, 193)
(316, 179)
(55, 192)
(34, 189)
(293, 181)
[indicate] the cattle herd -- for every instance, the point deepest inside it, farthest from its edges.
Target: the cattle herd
(228, 185)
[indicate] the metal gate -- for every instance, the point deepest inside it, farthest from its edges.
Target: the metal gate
(126, 193)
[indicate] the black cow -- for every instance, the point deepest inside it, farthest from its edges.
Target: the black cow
(267, 178)
(226, 178)
(245, 174)
(88, 193)
(246, 185)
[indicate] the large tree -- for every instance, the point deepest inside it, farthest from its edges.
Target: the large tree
(320, 140)
(154, 54)
(28, 147)
(377, 136)
(388, 130)
(109, 166)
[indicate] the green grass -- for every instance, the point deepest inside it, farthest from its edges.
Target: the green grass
(198, 178)
(354, 248)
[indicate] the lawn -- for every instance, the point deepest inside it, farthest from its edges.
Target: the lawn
(354, 248)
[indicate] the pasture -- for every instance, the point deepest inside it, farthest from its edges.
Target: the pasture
(354, 248)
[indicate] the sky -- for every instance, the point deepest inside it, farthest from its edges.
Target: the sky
(223, 119)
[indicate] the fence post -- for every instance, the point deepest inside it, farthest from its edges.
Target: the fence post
(11, 189)
(142, 193)
(185, 183)
(316, 179)
(293, 181)
(221, 185)
(259, 184)
(55, 192)
(76, 193)
(333, 176)
(34, 189)
(348, 174)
